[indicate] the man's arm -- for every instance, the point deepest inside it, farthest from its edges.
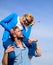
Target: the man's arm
(5, 57)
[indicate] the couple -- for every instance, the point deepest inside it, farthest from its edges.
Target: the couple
(12, 40)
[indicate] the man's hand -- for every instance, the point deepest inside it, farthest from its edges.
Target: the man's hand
(9, 49)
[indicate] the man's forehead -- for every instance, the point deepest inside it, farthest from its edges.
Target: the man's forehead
(17, 29)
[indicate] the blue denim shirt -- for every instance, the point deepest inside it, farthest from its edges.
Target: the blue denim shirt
(21, 55)
(31, 48)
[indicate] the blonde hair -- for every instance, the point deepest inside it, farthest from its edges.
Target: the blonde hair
(31, 17)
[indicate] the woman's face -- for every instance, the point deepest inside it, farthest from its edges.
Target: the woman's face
(26, 21)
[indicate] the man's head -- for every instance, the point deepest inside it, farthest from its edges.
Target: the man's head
(17, 33)
(27, 19)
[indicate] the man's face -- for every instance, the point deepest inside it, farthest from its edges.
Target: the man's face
(18, 33)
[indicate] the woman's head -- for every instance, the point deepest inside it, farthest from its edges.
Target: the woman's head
(27, 19)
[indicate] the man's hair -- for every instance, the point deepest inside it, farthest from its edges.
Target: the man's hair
(14, 28)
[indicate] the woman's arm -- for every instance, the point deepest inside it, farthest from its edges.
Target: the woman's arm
(27, 33)
(8, 18)
(9, 21)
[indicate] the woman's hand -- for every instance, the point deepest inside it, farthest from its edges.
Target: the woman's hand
(31, 40)
(32, 23)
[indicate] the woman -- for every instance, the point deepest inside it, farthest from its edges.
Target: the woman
(24, 23)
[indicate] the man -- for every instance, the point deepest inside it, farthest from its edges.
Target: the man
(19, 48)
(26, 21)
(32, 47)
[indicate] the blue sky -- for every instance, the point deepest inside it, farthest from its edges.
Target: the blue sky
(42, 10)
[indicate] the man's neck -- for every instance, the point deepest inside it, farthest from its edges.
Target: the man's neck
(18, 42)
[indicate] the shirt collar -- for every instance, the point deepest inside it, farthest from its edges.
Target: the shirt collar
(14, 44)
